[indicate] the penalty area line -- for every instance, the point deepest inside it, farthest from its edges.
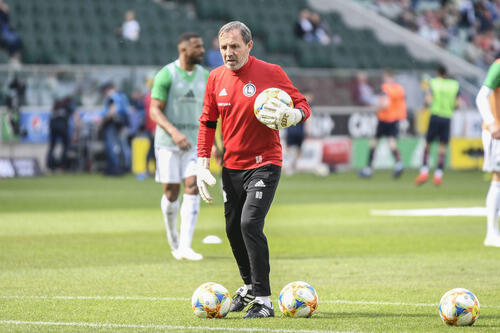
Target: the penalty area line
(159, 327)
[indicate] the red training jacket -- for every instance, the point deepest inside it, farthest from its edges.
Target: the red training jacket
(231, 94)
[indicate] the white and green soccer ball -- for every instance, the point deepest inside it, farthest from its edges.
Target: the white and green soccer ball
(211, 300)
(298, 299)
(459, 307)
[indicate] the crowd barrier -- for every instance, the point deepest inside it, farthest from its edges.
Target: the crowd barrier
(337, 137)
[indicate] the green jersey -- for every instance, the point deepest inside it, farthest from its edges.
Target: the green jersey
(444, 96)
(184, 93)
(492, 81)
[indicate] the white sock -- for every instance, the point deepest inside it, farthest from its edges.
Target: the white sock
(424, 169)
(266, 300)
(248, 286)
(492, 206)
(189, 214)
(169, 210)
(438, 173)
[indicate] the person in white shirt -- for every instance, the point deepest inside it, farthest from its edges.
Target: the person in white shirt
(130, 28)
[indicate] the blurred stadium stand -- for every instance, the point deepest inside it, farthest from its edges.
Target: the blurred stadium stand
(71, 48)
(390, 33)
(82, 32)
(468, 29)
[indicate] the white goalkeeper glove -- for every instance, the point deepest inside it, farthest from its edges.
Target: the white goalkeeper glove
(277, 115)
(204, 178)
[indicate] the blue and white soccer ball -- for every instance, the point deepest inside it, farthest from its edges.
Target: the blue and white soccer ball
(298, 299)
(211, 300)
(459, 307)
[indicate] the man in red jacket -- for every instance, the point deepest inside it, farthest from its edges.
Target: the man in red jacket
(252, 158)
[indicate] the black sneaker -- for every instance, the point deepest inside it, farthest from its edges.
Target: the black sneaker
(259, 310)
(242, 298)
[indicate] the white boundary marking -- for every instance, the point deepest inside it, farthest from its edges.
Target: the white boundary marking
(100, 298)
(453, 211)
(159, 327)
(166, 299)
(185, 299)
(376, 303)
(180, 327)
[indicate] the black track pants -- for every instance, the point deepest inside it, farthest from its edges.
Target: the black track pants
(248, 195)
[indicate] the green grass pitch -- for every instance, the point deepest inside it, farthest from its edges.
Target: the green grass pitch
(82, 253)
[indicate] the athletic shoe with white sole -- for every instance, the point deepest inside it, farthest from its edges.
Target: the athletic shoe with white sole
(177, 254)
(259, 310)
(241, 299)
(492, 241)
(189, 254)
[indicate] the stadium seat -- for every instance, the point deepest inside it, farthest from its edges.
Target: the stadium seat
(284, 60)
(68, 23)
(4, 58)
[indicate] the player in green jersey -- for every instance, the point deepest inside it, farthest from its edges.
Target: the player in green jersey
(443, 97)
(176, 102)
(488, 103)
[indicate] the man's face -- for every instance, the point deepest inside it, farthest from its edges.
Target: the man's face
(109, 91)
(233, 49)
(195, 50)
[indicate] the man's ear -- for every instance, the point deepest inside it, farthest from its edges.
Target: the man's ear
(250, 45)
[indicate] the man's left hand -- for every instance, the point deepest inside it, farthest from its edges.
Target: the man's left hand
(204, 178)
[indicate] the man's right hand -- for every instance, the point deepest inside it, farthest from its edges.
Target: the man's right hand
(494, 129)
(204, 178)
(181, 140)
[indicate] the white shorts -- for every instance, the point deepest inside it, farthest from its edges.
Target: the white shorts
(491, 153)
(174, 166)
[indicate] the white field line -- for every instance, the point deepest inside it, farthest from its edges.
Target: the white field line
(185, 299)
(101, 298)
(456, 211)
(375, 303)
(158, 327)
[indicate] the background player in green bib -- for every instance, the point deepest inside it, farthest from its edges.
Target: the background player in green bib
(488, 103)
(176, 103)
(443, 97)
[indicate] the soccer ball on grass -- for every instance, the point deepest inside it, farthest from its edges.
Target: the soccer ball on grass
(298, 299)
(211, 300)
(459, 307)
